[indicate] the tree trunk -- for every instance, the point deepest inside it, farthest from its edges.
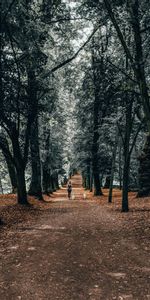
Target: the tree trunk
(1, 186)
(113, 168)
(88, 178)
(35, 186)
(21, 186)
(125, 207)
(95, 146)
(97, 185)
(107, 182)
(53, 183)
(55, 180)
(47, 188)
(139, 59)
(120, 167)
(144, 170)
(91, 182)
(12, 175)
(127, 153)
(88, 182)
(20, 169)
(10, 165)
(47, 177)
(83, 181)
(139, 71)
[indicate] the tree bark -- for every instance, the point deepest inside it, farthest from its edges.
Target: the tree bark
(88, 177)
(47, 180)
(95, 146)
(113, 168)
(144, 173)
(144, 170)
(91, 182)
(127, 153)
(55, 181)
(11, 171)
(139, 60)
(126, 169)
(120, 167)
(83, 181)
(20, 169)
(21, 186)
(12, 175)
(35, 186)
(107, 182)
(1, 186)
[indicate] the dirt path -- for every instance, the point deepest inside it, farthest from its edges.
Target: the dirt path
(75, 250)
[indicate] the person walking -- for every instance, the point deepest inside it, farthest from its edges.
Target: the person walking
(69, 189)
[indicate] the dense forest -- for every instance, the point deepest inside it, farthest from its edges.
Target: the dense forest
(75, 79)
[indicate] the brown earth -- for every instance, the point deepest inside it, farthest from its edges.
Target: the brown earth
(82, 249)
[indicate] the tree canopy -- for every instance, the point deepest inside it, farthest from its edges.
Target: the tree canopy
(75, 96)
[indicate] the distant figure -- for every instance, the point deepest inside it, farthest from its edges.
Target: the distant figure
(84, 196)
(69, 189)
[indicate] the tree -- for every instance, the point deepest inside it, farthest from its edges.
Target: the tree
(11, 169)
(138, 66)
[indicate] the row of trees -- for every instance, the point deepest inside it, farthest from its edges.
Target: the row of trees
(92, 114)
(32, 111)
(113, 108)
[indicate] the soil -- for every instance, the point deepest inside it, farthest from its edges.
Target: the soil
(80, 249)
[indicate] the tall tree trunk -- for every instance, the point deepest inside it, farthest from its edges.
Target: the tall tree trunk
(95, 146)
(83, 181)
(47, 180)
(88, 177)
(35, 186)
(120, 167)
(113, 168)
(97, 187)
(21, 186)
(91, 181)
(127, 153)
(56, 183)
(1, 186)
(20, 169)
(9, 161)
(107, 182)
(53, 183)
(144, 170)
(12, 173)
(125, 206)
(139, 59)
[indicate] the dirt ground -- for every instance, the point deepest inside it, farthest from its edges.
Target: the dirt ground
(82, 249)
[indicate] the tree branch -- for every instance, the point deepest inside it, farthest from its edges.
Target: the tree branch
(121, 135)
(18, 72)
(135, 137)
(9, 9)
(66, 19)
(5, 148)
(67, 61)
(120, 35)
(122, 71)
(145, 29)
